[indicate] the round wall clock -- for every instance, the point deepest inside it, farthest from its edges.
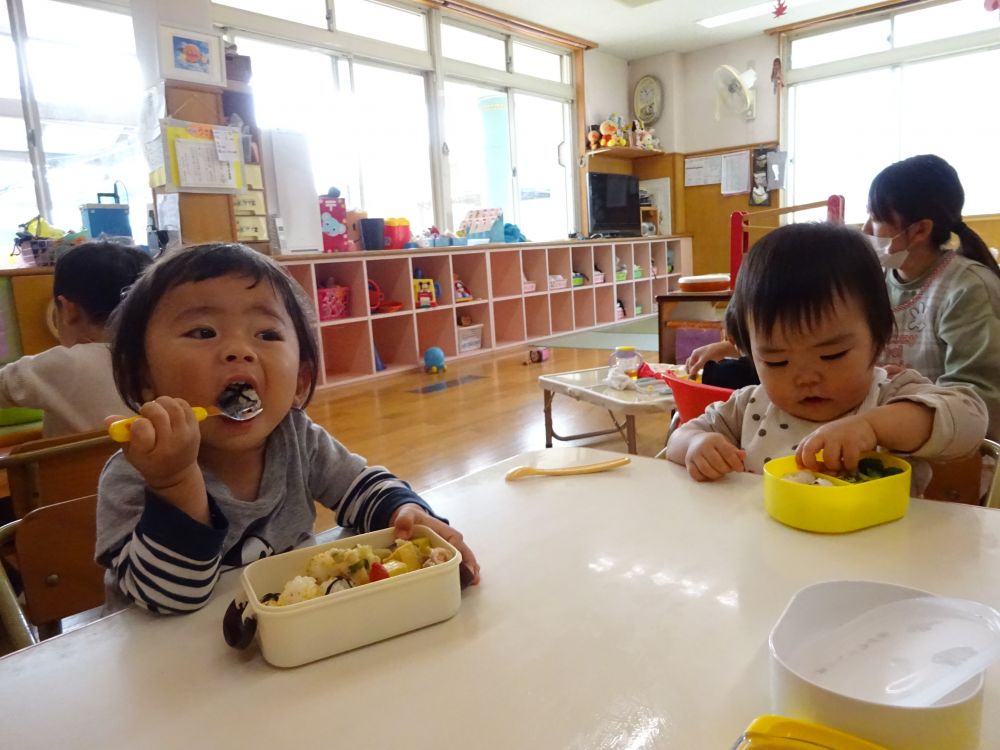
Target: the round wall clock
(647, 100)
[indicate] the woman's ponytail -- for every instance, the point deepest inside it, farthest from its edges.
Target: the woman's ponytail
(974, 247)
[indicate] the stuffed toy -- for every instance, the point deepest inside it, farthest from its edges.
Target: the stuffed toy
(595, 139)
(609, 134)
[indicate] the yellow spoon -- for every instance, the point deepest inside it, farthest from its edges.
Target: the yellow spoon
(121, 430)
(532, 471)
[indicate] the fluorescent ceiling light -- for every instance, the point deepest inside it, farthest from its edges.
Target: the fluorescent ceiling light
(761, 9)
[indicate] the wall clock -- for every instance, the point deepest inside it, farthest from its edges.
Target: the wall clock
(647, 100)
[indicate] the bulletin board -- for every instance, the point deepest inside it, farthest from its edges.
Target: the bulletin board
(196, 157)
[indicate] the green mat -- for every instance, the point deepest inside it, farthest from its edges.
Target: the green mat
(642, 334)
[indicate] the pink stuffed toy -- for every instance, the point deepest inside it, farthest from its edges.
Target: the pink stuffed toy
(992, 4)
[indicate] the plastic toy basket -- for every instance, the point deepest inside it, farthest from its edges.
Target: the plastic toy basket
(37, 252)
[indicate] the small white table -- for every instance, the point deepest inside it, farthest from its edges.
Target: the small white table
(589, 386)
(628, 609)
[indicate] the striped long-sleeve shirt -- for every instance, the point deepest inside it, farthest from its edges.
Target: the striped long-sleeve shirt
(164, 560)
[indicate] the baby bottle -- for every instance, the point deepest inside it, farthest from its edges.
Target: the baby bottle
(626, 360)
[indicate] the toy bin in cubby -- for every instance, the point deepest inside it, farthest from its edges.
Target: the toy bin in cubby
(470, 338)
(334, 302)
(299, 633)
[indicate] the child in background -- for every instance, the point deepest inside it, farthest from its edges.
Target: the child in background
(184, 500)
(811, 308)
(729, 372)
(72, 382)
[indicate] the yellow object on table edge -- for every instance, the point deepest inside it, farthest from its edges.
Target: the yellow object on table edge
(782, 733)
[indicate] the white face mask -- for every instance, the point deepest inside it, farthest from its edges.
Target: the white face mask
(881, 246)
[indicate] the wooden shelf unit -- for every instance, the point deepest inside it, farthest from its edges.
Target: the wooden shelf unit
(495, 275)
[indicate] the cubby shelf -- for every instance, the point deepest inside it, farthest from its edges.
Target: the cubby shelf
(364, 344)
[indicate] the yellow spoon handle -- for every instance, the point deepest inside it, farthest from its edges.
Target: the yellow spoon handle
(121, 430)
(532, 471)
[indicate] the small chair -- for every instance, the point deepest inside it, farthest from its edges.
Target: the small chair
(961, 481)
(54, 548)
(691, 399)
(42, 472)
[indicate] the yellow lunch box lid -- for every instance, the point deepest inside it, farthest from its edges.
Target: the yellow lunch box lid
(782, 733)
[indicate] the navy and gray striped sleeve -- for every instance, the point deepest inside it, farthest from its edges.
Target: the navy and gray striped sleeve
(372, 498)
(170, 563)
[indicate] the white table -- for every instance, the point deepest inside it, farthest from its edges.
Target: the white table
(621, 610)
(589, 386)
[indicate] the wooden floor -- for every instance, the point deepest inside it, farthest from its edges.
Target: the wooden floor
(433, 437)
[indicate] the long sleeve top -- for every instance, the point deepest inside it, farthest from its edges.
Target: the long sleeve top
(948, 327)
(72, 384)
(751, 421)
(165, 561)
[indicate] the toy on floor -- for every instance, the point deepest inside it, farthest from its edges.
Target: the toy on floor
(434, 360)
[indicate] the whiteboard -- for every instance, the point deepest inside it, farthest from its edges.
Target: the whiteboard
(291, 194)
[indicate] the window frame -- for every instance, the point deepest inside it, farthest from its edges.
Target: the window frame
(436, 69)
(893, 59)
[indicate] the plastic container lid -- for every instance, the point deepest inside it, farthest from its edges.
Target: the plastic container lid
(911, 652)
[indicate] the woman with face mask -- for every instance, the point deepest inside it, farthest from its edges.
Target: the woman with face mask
(946, 301)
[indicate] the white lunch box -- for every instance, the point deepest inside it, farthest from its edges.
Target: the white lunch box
(300, 633)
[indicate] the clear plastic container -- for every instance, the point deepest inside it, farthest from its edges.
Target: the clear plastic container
(626, 360)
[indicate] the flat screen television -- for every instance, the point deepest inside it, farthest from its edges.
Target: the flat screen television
(613, 200)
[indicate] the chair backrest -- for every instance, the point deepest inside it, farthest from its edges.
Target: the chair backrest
(54, 555)
(55, 552)
(692, 398)
(43, 472)
(961, 481)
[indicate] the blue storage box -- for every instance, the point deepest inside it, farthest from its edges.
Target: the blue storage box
(110, 219)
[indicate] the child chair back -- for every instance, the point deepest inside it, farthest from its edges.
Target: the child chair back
(691, 398)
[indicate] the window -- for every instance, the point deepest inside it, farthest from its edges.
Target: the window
(543, 180)
(387, 127)
(89, 140)
(840, 45)
(367, 108)
(387, 23)
(310, 106)
(309, 12)
(537, 62)
(941, 22)
(483, 158)
(459, 43)
(479, 157)
(849, 115)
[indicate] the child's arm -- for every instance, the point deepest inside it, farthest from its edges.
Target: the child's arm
(707, 455)
(161, 539)
(707, 446)
(709, 352)
(899, 427)
(370, 497)
(407, 516)
(916, 417)
(163, 447)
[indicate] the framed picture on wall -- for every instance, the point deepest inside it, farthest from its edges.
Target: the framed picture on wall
(195, 56)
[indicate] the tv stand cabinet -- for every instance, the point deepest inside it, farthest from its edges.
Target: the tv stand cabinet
(513, 300)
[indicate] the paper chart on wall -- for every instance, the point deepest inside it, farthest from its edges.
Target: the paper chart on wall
(702, 170)
(198, 166)
(736, 173)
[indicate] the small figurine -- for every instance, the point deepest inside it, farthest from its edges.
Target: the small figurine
(594, 138)
(434, 360)
(461, 293)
